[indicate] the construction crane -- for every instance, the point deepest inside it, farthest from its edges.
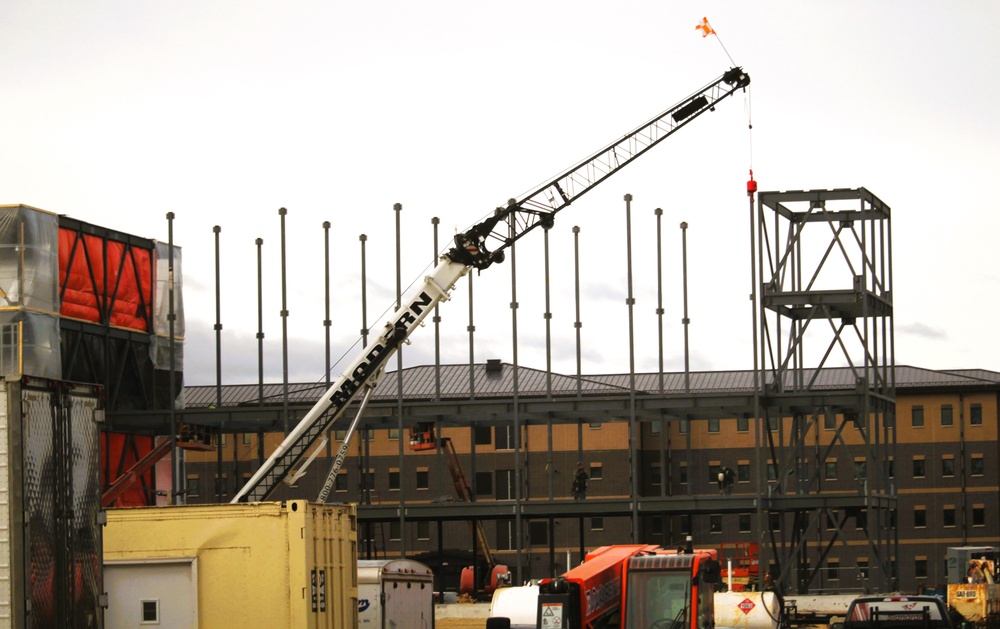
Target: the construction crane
(478, 247)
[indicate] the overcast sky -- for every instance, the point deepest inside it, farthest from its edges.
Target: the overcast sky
(116, 113)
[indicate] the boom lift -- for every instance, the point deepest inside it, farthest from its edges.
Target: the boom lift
(422, 438)
(478, 247)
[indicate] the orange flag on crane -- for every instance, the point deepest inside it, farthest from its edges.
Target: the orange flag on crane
(705, 28)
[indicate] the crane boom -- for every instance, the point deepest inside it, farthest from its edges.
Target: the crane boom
(478, 247)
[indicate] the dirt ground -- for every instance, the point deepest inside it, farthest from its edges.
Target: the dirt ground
(460, 623)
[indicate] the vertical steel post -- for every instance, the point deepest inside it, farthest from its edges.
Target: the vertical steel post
(175, 468)
(260, 346)
(632, 425)
(547, 315)
(398, 209)
(664, 424)
(220, 484)
(326, 320)
(518, 523)
(686, 320)
(284, 327)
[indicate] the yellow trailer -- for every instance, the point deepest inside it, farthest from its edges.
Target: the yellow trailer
(268, 564)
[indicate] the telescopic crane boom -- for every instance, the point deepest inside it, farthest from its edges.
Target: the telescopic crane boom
(478, 247)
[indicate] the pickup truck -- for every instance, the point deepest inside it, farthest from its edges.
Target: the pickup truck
(898, 612)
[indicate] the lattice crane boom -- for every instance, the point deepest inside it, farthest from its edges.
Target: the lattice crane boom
(478, 247)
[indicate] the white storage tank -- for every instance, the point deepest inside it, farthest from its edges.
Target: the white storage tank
(395, 594)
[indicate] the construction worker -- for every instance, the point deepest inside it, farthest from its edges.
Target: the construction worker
(727, 478)
(580, 482)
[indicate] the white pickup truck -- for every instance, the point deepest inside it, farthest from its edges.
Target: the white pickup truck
(898, 612)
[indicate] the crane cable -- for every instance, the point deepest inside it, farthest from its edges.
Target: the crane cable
(751, 183)
(705, 27)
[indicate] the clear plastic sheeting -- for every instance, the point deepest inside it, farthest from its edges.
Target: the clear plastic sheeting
(29, 344)
(160, 348)
(29, 258)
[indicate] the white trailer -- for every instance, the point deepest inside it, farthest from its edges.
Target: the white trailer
(395, 594)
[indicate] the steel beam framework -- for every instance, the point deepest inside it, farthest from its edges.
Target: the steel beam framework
(823, 298)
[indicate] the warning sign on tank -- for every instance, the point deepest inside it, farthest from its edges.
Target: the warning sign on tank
(746, 606)
(552, 616)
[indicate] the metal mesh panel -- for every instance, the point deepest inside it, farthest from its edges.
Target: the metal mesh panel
(40, 503)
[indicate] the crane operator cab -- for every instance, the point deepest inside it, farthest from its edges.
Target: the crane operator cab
(671, 591)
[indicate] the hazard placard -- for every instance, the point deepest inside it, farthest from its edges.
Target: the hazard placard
(552, 616)
(746, 606)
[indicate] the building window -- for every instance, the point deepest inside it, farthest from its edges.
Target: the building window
(713, 424)
(976, 467)
(920, 567)
(682, 474)
(947, 466)
(150, 610)
(484, 483)
(862, 569)
(193, 485)
(948, 516)
(919, 517)
(340, 483)
(483, 435)
(393, 480)
(655, 475)
(831, 521)
(395, 532)
(832, 570)
(505, 484)
(223, 440)
(247, 438)
(505, 535)
(655, 527)
(947, 415)
(597, 524)
(978, 515)
(742, 424)
(682, 426)
(504, 437)
(919, 468)
(595, 425)
(423, 529)
(772, 471)
(655, 427)
(596, 471)
(890, 468)
(339, 435)
(744, 523)
(829, 421)
(686, 524)
(743, 472)
(774, 520)
(861, 520)
(860, 469)
(394, 434)
(423, 479)
(831, 470)
(538, 533)
(772, 424)
(976, 415)
(715, 523)
(221, 484)
(917, 416)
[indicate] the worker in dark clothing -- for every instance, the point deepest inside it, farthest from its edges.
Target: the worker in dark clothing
(580, 482)
(727, 478)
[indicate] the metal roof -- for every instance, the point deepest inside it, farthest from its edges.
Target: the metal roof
(456, 383)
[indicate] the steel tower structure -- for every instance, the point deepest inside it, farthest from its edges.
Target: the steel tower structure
(823, 298)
